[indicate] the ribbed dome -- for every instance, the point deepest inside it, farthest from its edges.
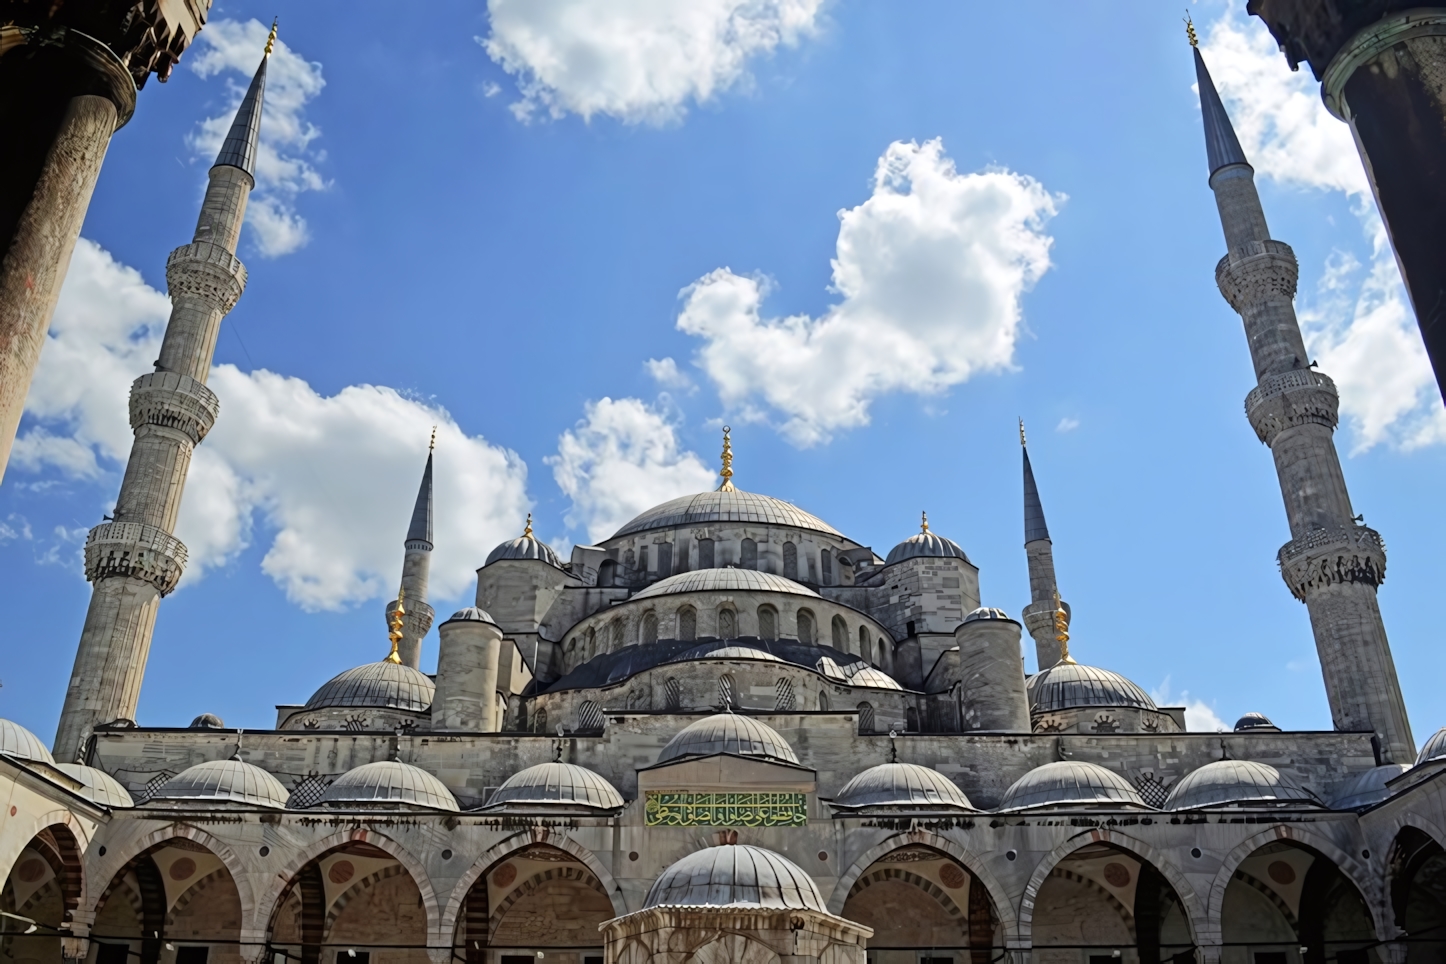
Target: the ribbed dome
(1254, 721)
(1068, 685)
(556, 785)
(524, 547)
(1432, 749)
(875, 679)
(728, 733)
(222, 781)
(725, 580)
(986, 612)
(735, 506)
(902, 786)
(389, 782)
(207, 721)
(733, 875)
(1367, 788)
(383, 685)
(714, 651)
(472, 615)
(17, 741)
(1227, 782)
(1070, 782)
(99, 787)
(927, 545)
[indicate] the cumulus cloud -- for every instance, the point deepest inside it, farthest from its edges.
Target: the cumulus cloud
(1359, 325)
(666, 373)
(1200, 717)
(328, 481)
(286, 157)
(622, 457)
(640, 61)
(1067, 424)
(930, 271)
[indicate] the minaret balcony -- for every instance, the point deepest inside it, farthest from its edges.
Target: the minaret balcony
(176, 401)
(1332, 555)
(1257, 272)
(136, 551)
(208, 271)
(1300, 396)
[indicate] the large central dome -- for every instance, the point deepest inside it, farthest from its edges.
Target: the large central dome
(734, 506)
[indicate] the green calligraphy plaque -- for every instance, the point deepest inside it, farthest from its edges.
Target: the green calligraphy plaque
(726, 809)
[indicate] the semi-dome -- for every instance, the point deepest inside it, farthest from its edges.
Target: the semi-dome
(472, 615)
(726, 579)
(987, 612)
(728, 733)
(1065, 686)
(1255, 721)
(556, 785)
(1432, 749)
(1367, 788)
(927, 545)
(18, 742)
(733, 875)
(715, 651)
(525, 546)
(384, 685)
(207, 721)
(731, 506)
(901, 786)
(388, 782)
(219, 781)
(875, 679)
(1237, 782)
(98, 786)
(1070, 783)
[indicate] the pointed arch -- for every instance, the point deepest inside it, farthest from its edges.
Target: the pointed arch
(118, 856)
(18, 838)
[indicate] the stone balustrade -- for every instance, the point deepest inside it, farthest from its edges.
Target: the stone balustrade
(1297, 397)
(173, 400)
(1333, 555)
(134, 550)
(205, 270)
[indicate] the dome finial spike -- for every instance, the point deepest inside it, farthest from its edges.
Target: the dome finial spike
(527, 532)
(924, 522)
(395, 624)
(1061, 629)
(727, 472)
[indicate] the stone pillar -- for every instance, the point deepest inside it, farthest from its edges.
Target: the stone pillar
(991, 675)
(467, 672)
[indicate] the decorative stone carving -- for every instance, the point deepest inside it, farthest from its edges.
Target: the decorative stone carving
(1332, 555)
(173, 400)
(1257, 272)
(137, 551)
(208, 271)
(1287, 399)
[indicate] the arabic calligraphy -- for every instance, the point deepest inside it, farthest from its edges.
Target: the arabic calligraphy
(726, 809)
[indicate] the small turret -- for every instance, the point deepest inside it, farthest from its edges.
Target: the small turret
(1039, 551)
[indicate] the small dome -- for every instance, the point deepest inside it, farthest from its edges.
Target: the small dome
(987, 612)
(524, 547)
(17, 741)
(1368, 788)
(556, 785)
(1227, 782)
(98, 786)
(1432, 749)
(1254, 721)
(389, 782)
(732, 506)
(714, 651)
(1068, 685)
(383, 685)
(926, 545)
(726, 579)
(902, 786)
(224, 780)
(728, 733)
(472, 615)
(874, 679)
(1070, 782)
(735, 875)
(207, 721)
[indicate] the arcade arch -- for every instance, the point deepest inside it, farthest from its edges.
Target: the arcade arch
(1418, 894)
(45, 884)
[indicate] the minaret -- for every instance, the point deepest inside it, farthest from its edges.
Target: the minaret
(134, 560)
(416, 567)
(1039, 551)
(1332, 563)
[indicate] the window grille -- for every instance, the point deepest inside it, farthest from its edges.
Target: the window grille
(728, 691)
(589, 716)
(866, 718)
(307, 792)
(673, 693)
(784, 700)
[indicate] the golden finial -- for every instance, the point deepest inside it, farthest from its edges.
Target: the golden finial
(924, 522)
(1061, 629)
(395, 624)
(1021, 433)
(1190, 30)
(527, 533)
(727, 472)
(433, 444)
(271, 39)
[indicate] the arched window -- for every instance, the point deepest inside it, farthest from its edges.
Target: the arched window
(825, 567)
(883, 655)
(749, 558)
(589, 646)
(783, 695)
(539, 721)
(681, 565)
(840, 634)
(866, 718)
(589, 716)
(705, 553)
(650, 628)
(768, 623)
(569, 653)
(727, 624)
(673, 693)
(616, 632)
(806, 632)
(688, 623)
(665, 559)
(643, 559)
(501, 712)
(790, 560)
(864, 642)
(630, 560)
(728, 691)
(911, 720)
(823, 701)
(607, 573)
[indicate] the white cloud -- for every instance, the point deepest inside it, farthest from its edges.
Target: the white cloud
(1067, 424)
(930, 270)
(285, 156)
(621, 458)
(1200, 717)
(641, 61)
(1360, 326)
(330, 480)
(666, 373)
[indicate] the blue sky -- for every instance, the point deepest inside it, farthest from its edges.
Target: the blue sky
(439, 237)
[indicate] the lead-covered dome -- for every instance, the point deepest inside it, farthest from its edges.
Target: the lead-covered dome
(1368, 788)
(727, 579)
(728, 733)
(1235, 783)
(731, 506)
(556, 785)
(384, 685)
(97, 786)
(927, 545)
(224, 781)
(1068, 685)
(388, 782)
(874, 679)
(1256, 722)
(734, 875)
(715, 651)
(1070, 783)
(901, 786)
(525, 546)
(1433, 749)
(987, 612)
(17, 741)
(471, 615)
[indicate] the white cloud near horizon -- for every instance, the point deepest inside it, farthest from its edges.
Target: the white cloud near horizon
(286, 157)
(930, 272)
(1359, 324)
(639, 61)
(1200, 717)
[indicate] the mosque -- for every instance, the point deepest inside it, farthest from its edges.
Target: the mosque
(728, 734)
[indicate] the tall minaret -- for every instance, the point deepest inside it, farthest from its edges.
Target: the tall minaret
(1332, 563)
(1039, 551)
(416, 567)
(134, 560)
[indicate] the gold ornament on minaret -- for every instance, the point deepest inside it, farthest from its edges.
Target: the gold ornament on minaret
(1061, 629)
(270, 39)
(1021, 433)
(395, 624)
(727, 472)
(1190, 30)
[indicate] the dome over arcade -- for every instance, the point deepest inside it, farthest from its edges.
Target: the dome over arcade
(383, 685)
(97, 785)
(1070, 783)
(1368, 788)
(733, 875)
(1237, 782)
(1068, 685)
(389, 782)
(901, 786)
(525, 546)
(223, 781)
(726, 579)
(730, 505)
(874, 679)
(728, 733)
(1255, 722)
(20, 743)
(715, 651)
(556, 784)
(925, 544)
(1434, 748)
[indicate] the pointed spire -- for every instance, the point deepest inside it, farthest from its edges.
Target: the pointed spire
(924, 522)
(239, 148)
(419, 533)
(727, 472)
(1034, 526)
(1222, 147)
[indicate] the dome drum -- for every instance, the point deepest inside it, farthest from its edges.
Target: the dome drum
(1073, 698)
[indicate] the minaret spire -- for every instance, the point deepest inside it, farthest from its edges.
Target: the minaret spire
(727, 471)
(239, 148)
(1331, 563)
(416, 570)
(1040, 616)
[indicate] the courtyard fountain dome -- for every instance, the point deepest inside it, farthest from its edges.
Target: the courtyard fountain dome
(901, 786)
(525, 546)
(1070, 783)
(1066, 686)
(18, 742)
(97, 786)
(556, 784)
(728, 733)
(388, 782)
(1434, 748)
(1237, 783)
(384, 685)
(224, 781)
(735, 876)
(727, 579)
(723, 506)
